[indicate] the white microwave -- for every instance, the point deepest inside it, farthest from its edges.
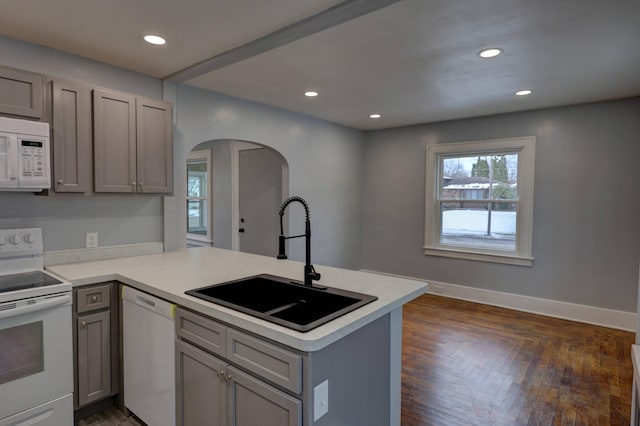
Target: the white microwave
(25, 159)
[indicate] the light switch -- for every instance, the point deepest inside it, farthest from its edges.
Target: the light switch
(320, 400)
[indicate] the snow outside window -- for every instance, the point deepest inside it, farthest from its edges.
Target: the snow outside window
(479, 200)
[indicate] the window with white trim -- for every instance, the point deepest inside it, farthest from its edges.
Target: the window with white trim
(199, 197)
(479, 200)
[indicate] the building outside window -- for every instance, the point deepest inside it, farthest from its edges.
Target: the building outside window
(199, 198)
(479, 200)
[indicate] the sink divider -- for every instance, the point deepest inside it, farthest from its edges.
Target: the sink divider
(281, 308)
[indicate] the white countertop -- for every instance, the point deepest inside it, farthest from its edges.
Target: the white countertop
(169, 275)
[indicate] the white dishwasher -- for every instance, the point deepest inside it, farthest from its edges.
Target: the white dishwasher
(148, 357)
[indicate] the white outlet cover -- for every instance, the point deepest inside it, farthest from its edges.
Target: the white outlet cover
(320, 400)
(91, 239)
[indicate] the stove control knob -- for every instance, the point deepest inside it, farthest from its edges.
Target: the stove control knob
(3, 240)
(15, 239)
(29, 239)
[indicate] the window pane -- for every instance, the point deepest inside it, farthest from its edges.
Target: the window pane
(197, 180)
(488, 226)
(479, 177)
(197, 216)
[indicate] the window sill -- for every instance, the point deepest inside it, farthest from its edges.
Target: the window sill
(482, 257)
(199, 240)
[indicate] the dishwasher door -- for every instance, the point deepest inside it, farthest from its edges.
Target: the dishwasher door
(148, 357)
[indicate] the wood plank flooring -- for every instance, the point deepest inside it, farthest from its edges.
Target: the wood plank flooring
(471, 364)
(109, 417)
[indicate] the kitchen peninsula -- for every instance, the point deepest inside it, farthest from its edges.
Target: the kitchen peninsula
(358, 354)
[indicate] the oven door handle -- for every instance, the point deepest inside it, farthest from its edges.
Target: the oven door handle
(40, 305)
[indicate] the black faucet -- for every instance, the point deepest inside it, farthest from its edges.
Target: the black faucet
(309, 271)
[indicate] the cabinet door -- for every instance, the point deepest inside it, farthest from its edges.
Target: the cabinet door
(252, 402)
(21, 93)
(71, 130)
(114, 141)
(94, 357)
(154, 146)
(200, 388)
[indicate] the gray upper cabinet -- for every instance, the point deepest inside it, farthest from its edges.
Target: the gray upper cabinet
(21, 93)
(133, 144)
(114, 141)
(71, 132)
(154, 142)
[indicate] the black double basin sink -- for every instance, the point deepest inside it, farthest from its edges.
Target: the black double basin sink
(283, 301)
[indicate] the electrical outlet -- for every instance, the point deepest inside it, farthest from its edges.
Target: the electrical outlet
(320, 400)
(436, 288)
(91, 239)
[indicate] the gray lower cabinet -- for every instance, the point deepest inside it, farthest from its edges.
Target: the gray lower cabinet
(95, 332)
(229, 376)
(251, 402)
(212, 390)
(94, 354)
(200, 387)
(71, 136)
(21, 93)
(133, 143)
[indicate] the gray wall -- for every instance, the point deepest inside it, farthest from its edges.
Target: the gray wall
(325, 167)
(65, 218)
(586, 227)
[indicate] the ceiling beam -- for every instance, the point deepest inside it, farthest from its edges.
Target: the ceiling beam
(331, 17)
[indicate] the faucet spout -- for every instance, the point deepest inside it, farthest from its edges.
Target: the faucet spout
(310, 273)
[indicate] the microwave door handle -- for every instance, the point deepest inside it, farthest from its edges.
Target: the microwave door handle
(36, 307)
(12, 157)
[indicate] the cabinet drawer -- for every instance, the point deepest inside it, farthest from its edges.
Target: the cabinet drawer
(271, 362)
(201, 331)
(93, 298)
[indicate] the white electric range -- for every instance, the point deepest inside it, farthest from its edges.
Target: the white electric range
(36, 349)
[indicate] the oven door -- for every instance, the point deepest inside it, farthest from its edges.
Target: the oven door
(36, 352)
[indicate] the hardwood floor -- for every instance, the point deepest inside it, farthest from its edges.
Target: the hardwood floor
(471, 364)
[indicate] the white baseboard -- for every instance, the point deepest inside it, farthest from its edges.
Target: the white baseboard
(101, 253)
(581, 313)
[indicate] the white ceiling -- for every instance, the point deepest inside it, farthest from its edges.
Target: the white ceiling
(413, 61)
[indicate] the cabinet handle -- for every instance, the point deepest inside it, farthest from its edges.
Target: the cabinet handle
(60, 181)
(134, 185)
(141, 185)
(227, 377)
(83, 324)
(94, 298)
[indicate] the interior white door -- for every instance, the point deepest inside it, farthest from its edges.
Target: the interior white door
(260, 195)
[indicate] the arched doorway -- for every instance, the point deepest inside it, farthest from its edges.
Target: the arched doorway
(234, 189)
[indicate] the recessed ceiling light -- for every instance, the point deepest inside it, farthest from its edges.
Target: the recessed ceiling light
(523, 92)
(154, 39)
(375, 116)
(311, 94)
(490, 53)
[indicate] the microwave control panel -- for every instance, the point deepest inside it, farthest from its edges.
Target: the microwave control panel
(33, 158)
